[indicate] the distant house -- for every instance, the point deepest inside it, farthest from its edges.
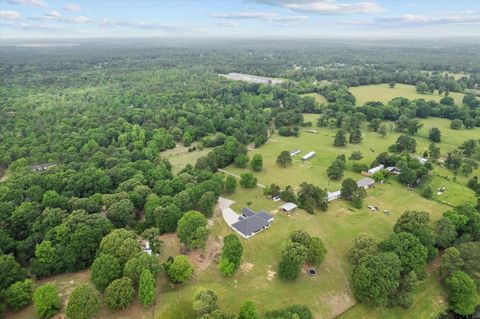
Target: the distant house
(422, 160)
(366, 182)
(308, 156)
(333, 195)
(41, 167)
(248, 223)
(288, 207)
(375, 169)
(294, 152)
(146, 247)
(393, 170)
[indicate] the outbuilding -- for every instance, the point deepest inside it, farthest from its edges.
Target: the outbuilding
(294, 152)
(308, 156)
(288, 207)
(393, 170)
(422, 160)
(366, 182)
(375, 169)
(333, 195)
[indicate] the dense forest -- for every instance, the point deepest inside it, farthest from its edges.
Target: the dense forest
(100, 114)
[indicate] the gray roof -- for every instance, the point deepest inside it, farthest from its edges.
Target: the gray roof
(265, 216)
(247, 212)
(250, 225)
(366, 182)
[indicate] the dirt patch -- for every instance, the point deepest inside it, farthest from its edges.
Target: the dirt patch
(201, 260)
(271, 274)
(339, 304)
(246, 267)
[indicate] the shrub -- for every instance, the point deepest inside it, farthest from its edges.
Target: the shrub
(119, 293)
(83, 303)
(46, 301)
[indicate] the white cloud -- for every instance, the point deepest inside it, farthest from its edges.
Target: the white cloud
(256, 15)
(325, 6)
(36, 3)
(80, 19)
(469, 17)
(72, 7)
(53, 14)
(227, 24)
(10, 15)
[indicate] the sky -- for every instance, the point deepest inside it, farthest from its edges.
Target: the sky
(430, 19)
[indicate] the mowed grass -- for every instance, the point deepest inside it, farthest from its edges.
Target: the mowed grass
(315, 169)
(383, 93)
(319, 98)
(329, 293)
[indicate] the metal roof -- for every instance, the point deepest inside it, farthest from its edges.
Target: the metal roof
(366, 182)
(288, 206)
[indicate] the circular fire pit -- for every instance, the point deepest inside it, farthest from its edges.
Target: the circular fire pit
(311, 272)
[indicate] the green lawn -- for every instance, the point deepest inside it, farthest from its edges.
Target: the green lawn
(319, 98)
(383, 93)
(328, 294)
(314, 170)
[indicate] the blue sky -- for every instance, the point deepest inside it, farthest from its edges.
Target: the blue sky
(240, 18)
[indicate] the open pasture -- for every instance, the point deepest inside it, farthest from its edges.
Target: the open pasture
(179, 156)
(383, 93)
(314, 170)
(329, 293)
(319, 98)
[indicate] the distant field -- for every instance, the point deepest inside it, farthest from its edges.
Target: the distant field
(319, 98)
(179, 156)
(314, 170)
(383, 93)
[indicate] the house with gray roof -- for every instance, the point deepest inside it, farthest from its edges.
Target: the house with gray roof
(249, 222)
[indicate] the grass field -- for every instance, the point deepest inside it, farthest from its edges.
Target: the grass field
(319, 98)
(179, 156)
(314, 170)
(383, 93)
(327, 294)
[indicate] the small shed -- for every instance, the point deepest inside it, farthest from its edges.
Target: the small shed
(308, 156)
(393, 170)
(422, 160)
(288, 207)
(294, 152)
(366, 182)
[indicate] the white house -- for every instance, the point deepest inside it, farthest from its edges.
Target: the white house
(422, 160)
(333, 195)
(375, 169)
